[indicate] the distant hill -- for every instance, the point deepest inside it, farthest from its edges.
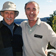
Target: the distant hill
(18, 21)
(44, 19)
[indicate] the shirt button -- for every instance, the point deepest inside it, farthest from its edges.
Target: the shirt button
(30, 30)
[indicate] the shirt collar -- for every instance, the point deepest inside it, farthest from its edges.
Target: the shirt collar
(37, 23)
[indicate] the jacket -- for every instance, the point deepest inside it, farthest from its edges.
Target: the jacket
(10, 45)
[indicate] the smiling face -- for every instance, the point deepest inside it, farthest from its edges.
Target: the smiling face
(8, 16)
(32, 11)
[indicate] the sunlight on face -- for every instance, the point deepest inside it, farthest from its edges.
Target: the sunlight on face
(8, 16)
(32, 11)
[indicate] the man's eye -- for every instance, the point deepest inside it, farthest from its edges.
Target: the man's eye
(11, 13)
(6, 13)
(34, 8)
(27, 8)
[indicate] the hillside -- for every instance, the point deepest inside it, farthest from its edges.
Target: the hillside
(18, 21)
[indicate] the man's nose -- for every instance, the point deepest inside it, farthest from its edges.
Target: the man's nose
(9, 15)
(31, 12)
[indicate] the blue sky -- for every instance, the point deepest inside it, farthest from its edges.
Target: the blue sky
(47, 7)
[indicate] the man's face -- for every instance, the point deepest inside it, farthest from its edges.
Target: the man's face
(8, 16)
(32, 11)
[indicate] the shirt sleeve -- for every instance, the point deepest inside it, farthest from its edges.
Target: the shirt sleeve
(51, 37)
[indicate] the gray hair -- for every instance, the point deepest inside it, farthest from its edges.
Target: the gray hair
(31, 2)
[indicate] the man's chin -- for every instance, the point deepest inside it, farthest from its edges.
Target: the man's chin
(9, 23)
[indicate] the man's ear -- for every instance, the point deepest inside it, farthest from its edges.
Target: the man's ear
(15, 14)
(2, 14)
(38, 11)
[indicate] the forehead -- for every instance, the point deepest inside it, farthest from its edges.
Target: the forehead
(32, 4)
(9, 11)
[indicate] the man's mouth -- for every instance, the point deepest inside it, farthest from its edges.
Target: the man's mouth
(8, 18)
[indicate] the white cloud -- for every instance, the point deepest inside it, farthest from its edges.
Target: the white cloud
(49, 1)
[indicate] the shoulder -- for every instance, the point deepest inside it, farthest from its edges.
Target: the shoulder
(17, 29)
(45, 25)
(1, 24)
(23, 23)
(17, 26)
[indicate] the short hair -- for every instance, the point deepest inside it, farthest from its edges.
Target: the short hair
(31, 2)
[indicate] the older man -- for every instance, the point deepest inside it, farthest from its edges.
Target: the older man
(36, 33)
(10, 33)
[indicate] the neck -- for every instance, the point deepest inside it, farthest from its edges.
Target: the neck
(7, 24)
(32, 23)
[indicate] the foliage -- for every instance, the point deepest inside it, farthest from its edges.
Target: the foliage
(52, 22)
(49, 21)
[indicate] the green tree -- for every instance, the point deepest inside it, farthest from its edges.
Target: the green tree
(49, 21)
(52, 22)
